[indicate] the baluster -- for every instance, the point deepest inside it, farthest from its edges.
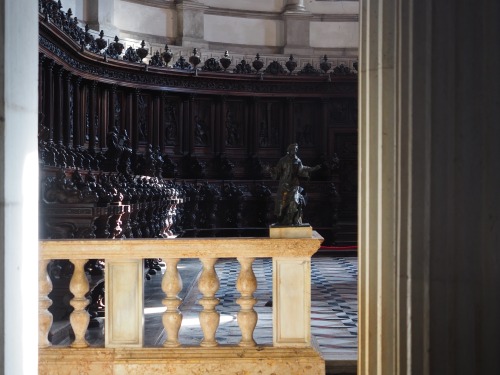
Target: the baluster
(79, 318)
(45, 318)
(171, 284)
(247, 316)
(209, 317)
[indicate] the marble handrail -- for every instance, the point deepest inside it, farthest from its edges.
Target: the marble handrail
(257, 247)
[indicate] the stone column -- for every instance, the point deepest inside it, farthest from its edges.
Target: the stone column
(429, 227)
(19, 191)
(190, 24)
(296, 18)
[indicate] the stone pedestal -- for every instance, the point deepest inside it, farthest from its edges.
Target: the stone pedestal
(190, 24)
(299, 231)
(291, 304)
(297, 32)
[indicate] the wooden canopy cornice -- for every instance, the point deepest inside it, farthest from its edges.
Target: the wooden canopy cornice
(60, 47)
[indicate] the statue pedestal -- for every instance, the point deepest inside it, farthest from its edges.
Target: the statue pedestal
(291, 231)
(291, 291)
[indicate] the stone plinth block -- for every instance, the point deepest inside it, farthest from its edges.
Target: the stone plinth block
(297, 231)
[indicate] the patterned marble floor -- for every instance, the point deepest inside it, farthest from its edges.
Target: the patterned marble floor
(333, 305)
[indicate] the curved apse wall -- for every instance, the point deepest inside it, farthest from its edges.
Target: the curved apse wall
(244, 26)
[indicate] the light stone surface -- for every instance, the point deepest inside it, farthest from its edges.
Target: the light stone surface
(256, 247)
(143, 19)
(290, 232)
(329, 7)
(297, 34)
(238, 30)
(254, 25)
(190, 24)
(124, 303)
(295, 6)
(251, 5)
(292, 302)
(292, 351)
(181, 361)
(19, 191)
(334, 34)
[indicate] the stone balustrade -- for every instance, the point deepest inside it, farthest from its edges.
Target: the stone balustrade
(291, 352)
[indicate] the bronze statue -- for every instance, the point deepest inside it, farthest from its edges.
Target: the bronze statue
(289, 201)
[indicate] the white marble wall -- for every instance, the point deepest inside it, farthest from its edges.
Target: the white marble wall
(245, 31)
(334, 34)
(263, 26)
(132, 18)
(252, 5)
(332, 7)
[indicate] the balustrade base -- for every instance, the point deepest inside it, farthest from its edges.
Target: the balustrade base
(222, 360)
